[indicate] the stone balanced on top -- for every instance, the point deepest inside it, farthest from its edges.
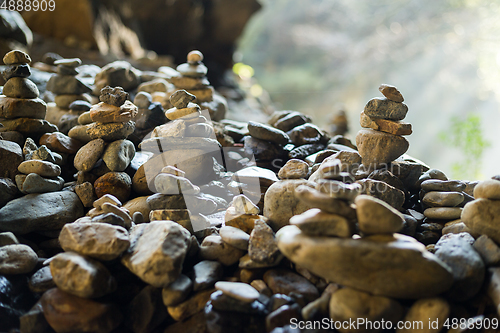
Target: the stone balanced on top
(382, 142)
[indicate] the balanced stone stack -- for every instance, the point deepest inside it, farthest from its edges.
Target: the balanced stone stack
(382, 141)
(108, 209)
(68, 88)
(441, 200)
(40, 172)
(180, 201)
(108, 153)
(191, 76)
(150, 114)
(187, 142)
(20, 108)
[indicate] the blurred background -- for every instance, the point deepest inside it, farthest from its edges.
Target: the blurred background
(319, 57)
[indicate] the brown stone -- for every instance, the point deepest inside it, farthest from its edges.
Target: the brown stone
(115, 183)
(20, 107)
(388, 126)
(60, 143)
(107, 113)
(378, 148)
(191, 306)
(29, 126)
(66, 313)
(391, 93)
(282, 281)
(11, 156)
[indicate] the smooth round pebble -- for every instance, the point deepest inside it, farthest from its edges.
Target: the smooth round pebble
(241, 291)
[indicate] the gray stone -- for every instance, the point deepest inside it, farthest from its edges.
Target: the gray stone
(143, 100)
(18, 87)
(146, 311)
(11, 155)
(17, 259)
(43, 154)
(197, 71)
(8, 191)
(382, 191)
(34, 183)
(466, 265)
(69, 62)
(80, 106)
(20, 70)
(88, 155)
(67, 85)
(314, 222)
(118, 155)
(28, 126)
(205, 274)
(81, 276)
(267, 133)
(80, 133)
(7, 238)
(488, 250)
(42, 280)
(350, 305)
(170, 184)
(42, 168)
(157, 252)
(386, 109)
(304, 134)
(413, 272)
(175, 128)
(177, 291)
(113, 96)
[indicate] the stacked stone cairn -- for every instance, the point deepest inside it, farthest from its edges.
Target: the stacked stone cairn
(20, 108)
(382, 141)
(40, 172)
(191, 76)
(102, 161)
(68, 88)
(150, 114)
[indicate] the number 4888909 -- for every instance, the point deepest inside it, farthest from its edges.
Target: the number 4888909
(28, 5)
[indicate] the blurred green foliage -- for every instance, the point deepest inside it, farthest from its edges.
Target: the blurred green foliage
(466, 135)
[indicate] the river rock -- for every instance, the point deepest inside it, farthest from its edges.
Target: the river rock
(384, 108)
(443, 199)
(11, 153)
(377, 217)
(413, 272)
(29, 126)
(262, 247)
(294, 169)
(177, 291)
(67, 85)
(17, 259)
(234, 237)
(110, 131)
(488, 189)
(67, 313)
(488, 250)
(16, 57)
(238, 290)
(379, 148)
(391, 93)
(81, 276)
(314, 222)
(157, 252)
(466, 265)
(283, 281)
(97, 240)
(214, 248)
(482, 216)
(22, 108)
(443, 185)
(113, 96)
(347, 305)
(443, 213)
(118, 155)
(267, 133)
(60, 143)
(19, 70)
(42, 168)
(34, 183)
(18, 87)
(117, 184)
(316, 199)
(383, 125)
(38, 212)
(424, 312)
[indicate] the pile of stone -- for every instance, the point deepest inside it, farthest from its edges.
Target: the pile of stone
(102, 161)
(191, 76)
(21, 110)
(150, 114)
(382, 141)
(40, 172)
(67, 89)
